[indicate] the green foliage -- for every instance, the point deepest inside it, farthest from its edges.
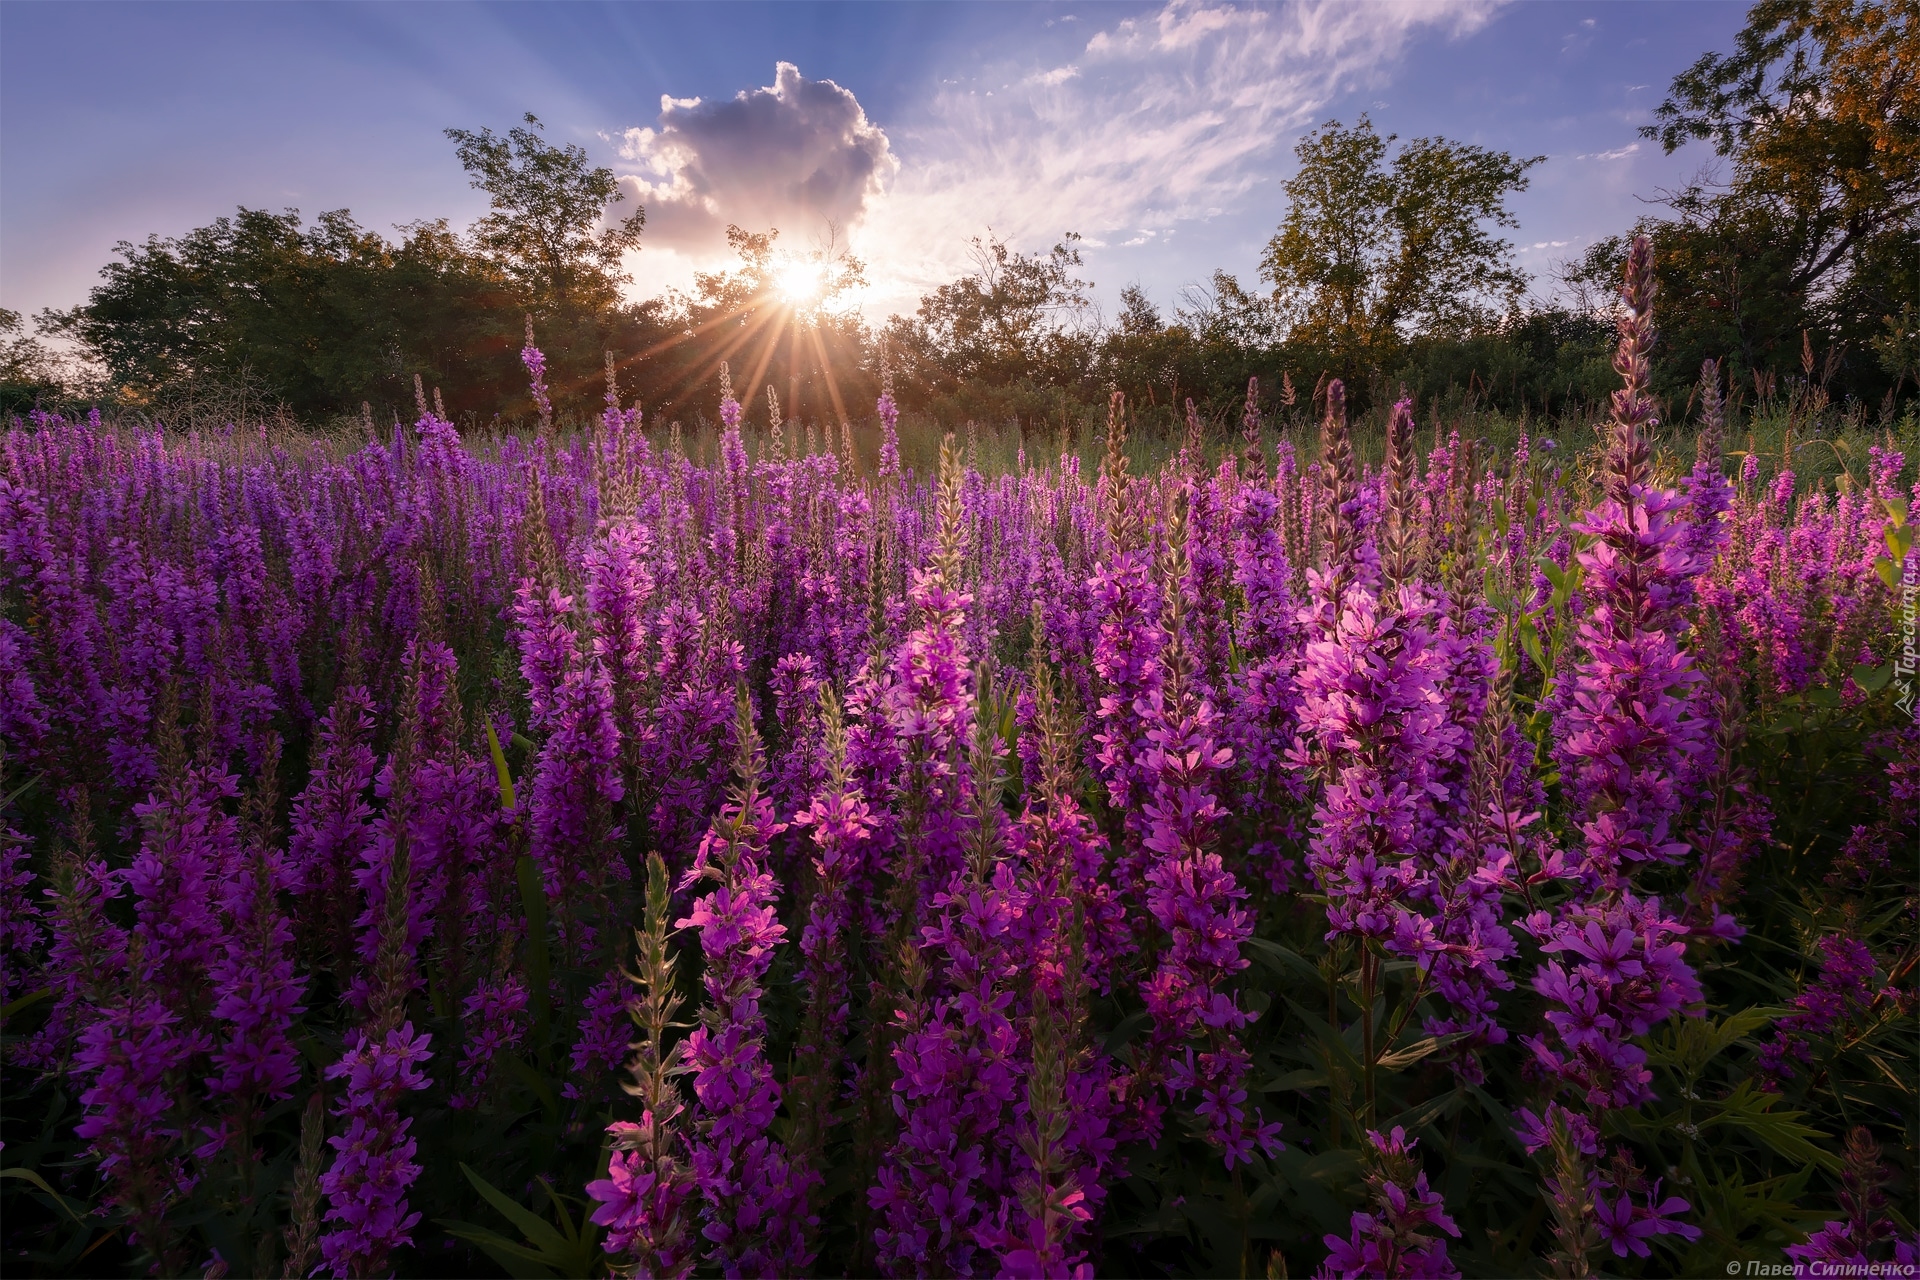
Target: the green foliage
(544, 227)
(1814, 224)
(1371, 254)
(559, 1248)
(1014, 318)
(31, 374)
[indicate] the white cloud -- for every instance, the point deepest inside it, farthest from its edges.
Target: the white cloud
(1162, 119)
(1618, 153)
(1171, 117)
(794, 154)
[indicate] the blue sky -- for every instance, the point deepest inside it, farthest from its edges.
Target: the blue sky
(1160, 132)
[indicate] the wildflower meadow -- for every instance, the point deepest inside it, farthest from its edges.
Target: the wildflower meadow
(564, 853)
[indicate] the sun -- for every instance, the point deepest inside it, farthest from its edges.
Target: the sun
(800, 282)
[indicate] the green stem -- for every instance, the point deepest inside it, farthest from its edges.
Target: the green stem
(1369, 979)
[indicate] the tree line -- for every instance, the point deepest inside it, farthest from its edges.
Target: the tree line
(1795, 255)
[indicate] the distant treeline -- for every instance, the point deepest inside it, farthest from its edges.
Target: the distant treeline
(1797, 262)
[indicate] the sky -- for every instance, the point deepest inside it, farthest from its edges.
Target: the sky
(1160, 132)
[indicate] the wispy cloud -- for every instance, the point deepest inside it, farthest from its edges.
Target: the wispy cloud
(1166, 118)
(1618, 153)
(1159, 120)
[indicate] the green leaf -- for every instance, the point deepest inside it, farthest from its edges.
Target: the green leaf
(500, 769)
(1747, 1108)
(25, 1002)
(6, 802)
(28, 1175)
(1302, 1078)
(1530, 641)
(536, 1082)
(1889, 572)
(1420, 1115)
(1285, 960)
(1129, 1027)
(516, 1260)
(533, 902)
(1694, 1042)
(1872, 679)
(537, 1230)
(1339, 1050)
(1399, 1059)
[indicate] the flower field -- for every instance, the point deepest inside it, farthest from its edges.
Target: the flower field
(555, 855)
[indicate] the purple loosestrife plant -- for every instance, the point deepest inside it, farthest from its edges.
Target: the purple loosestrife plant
(1401, 1237)
(1631, 735)
(645, 1201)
(1194, 899)
(1374, 727)
(753, 1200)
(1865, 1241)
(331, 826)
(957, 1061)
(188, 857)
(86, 949)
(840, 825)
(135, 1056)
(536, 364)
(366, 1184)
(926, 697)
(1067, 1130)
(1261, 705)
(495, 1017)
(258, 987)
(889, 413)
(1126, 655)
(1836, 1001)
(19, 918)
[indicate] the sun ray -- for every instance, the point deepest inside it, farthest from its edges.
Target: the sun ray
(826, 373)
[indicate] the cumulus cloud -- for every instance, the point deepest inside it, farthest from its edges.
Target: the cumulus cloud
(1155, 121)
(794, 154)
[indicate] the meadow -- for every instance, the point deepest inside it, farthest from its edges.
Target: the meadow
(1429, 844)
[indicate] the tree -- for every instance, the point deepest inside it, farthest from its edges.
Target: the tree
(1371, 254)
(545, 224)
(319, 316)
(1818, 107)
(1139, 318)
(1222, 310)
(33, 375)
(776, 315)
(1015, 317)
(1811, 229)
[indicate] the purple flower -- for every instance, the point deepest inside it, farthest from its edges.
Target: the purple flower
(536, 362)
(1397, 1239)
(495, 1018)
(258, 989)
(754, 1203)
(366, 1185)
(1836, 1000)
(1626, 1227)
